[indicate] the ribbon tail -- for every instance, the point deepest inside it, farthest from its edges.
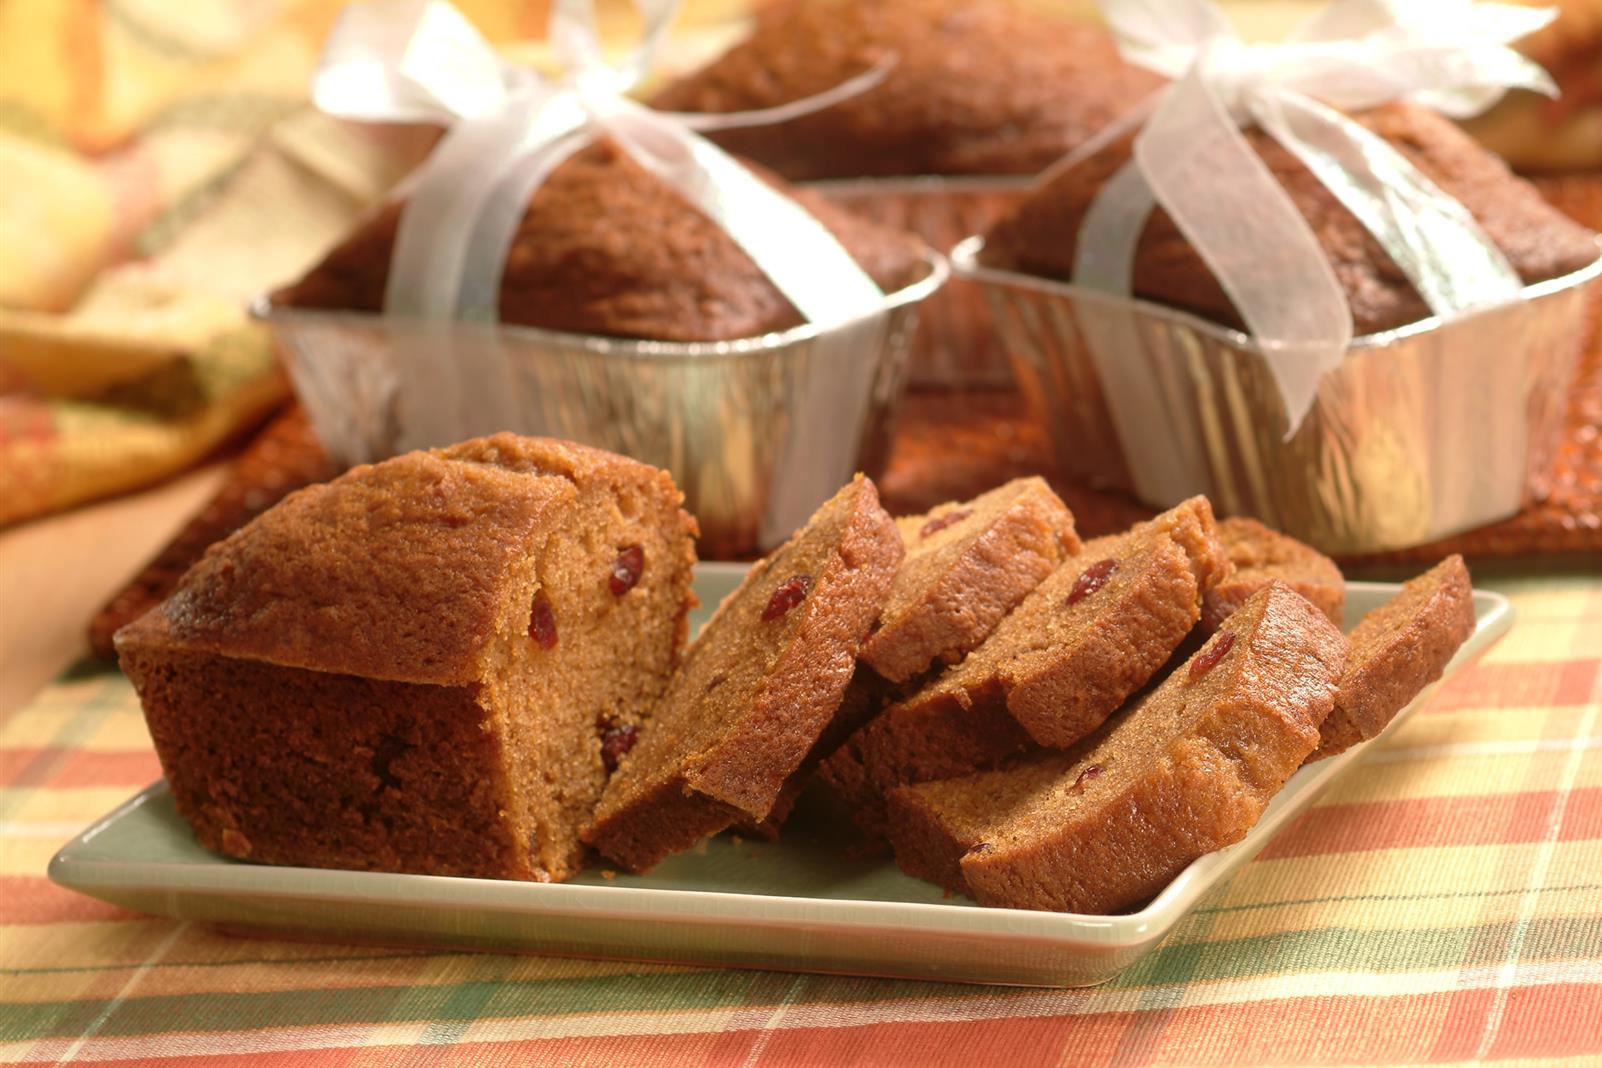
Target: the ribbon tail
(1246, 229)
(411, 61)
(795, 109)
(798, 253)
(1438, 245)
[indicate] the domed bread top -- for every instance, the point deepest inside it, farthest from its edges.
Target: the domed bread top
(1397, 650)
(393, 570)
(974, 87)
(1258, 556)
(608, 248)
(757, 688)
(967, 565)
(1041, 236)
(1186, 770)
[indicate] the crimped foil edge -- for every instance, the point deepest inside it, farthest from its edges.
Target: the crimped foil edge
(1425, 431)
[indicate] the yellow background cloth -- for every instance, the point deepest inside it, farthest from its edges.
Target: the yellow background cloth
(160, 167)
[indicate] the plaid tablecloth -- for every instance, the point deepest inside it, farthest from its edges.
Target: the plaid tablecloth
(1443, 903)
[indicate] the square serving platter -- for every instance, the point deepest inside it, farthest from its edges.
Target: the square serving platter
(794, 905)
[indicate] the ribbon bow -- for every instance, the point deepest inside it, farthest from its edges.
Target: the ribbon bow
(1191, 158)
(421, 60)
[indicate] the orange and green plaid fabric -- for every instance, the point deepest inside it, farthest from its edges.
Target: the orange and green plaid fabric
(1442, 903)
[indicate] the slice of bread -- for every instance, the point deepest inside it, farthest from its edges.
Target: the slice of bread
(1259, 555)
(1186, 770)
(1085, 639)
(967, 565)
(757, 689)
(1397, 650)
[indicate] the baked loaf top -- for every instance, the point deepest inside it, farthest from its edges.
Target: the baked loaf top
(967, 565)
(1186, 770)
(977, 87)
(608, 248)
(1259, 555)
(1397, 650)
(441, 536)
(1041, 236)
(761, 682)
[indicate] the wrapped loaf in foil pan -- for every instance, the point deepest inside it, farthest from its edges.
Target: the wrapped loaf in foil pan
(757, 432)
(956, 346)
(1423, 432)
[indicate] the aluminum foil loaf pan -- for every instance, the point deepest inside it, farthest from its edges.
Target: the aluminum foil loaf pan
(956, 346)
(757, 432)
(1423, 432)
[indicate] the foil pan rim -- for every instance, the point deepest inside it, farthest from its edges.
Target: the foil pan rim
(965, 265)
(262, 309)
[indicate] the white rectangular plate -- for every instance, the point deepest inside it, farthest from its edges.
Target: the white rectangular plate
(795, 905)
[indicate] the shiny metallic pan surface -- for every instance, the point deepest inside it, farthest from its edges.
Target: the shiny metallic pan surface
(757, 432)
(1423, 432)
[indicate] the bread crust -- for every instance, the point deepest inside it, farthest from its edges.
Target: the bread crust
(608, 248)
(1041, 236)
(757, 688)
(1397, 650)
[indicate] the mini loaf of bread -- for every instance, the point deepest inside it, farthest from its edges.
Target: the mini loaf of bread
(608, 248)
(761, 683)
(1397, 650)
(423, 665)
(1041, 236)
(1085, 639)
(976, 87)
(1258, 556)
(1185, 771)
(967, 565)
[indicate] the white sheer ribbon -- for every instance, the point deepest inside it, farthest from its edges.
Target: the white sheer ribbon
(1191, 158)
(422, 61)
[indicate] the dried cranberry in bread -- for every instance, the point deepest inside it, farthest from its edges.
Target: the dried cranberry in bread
(1186, 770)
(759, 686)
(974, 87)
(1085, 639)
(1040, 237)
(967, 565)
(606, 247)
(1259, 555)
(1397, 650)
(415, 666)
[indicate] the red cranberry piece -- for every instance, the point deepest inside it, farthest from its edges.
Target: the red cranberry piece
(941, 522)
(789, 594)
(626, 570)
(542, 624)
(1086, 775)
(616, 742)
(1092, 579)
(1209, 657)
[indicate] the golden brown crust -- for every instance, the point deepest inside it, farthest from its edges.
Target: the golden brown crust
(287, 588)
(1185, 771)
(1540, 242)
(1397, 650)
(1259, 555)
(758, 687)
(608, 248)
(977, 87)
(967, 565)
(477, 586)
